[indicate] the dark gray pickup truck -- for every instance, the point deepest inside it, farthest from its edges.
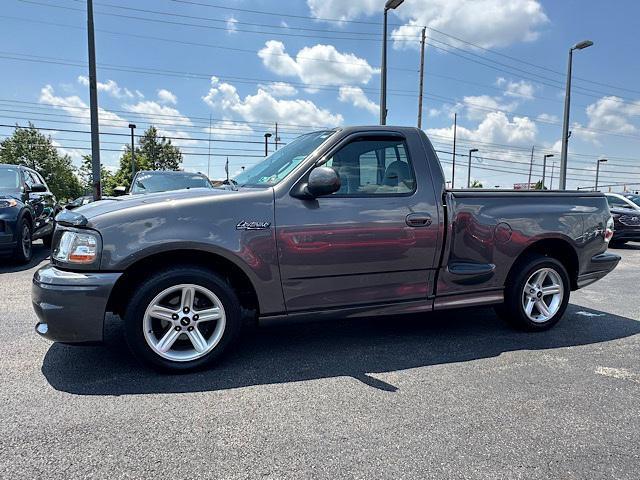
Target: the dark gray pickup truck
(348, 222)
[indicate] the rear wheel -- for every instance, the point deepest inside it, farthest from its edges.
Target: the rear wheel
(537, 296)
(24, 246)
(182, 319)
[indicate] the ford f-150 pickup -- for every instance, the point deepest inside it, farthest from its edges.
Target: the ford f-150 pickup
(340, 223)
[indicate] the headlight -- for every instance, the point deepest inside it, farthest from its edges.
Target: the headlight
(7, 202)
(79, 248)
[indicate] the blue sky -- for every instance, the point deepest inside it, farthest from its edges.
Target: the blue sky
(499, 64)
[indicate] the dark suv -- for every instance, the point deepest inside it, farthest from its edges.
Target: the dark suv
(27, 211)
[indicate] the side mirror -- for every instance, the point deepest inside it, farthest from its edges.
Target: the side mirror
(119, 191)
(323, 181)
(38, 188)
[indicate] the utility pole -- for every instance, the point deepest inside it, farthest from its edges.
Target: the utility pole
(422, 42)
(567, 106)
(389, 5)
(530, 167)
(544, 167)
(93, 106)
(553, 167)
(472, 150)
(209, 154)
(133, 152)
(276, 137)
(453, 167)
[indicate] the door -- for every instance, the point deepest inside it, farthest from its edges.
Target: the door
(373, 241)
(37, 202)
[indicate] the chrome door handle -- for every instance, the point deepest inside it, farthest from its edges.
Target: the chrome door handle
(418, 219)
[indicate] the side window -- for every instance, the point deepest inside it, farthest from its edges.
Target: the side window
(374, 166)
(40, 179)
(616, 202)
(28, 179)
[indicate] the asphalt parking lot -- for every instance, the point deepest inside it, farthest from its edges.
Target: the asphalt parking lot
(453, 395)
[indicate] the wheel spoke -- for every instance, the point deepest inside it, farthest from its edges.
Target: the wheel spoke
(529, 306)
(198, 341)
(162, 313)
(186, 300)
(208, 314)
(543, 308)
(551, 290)
(167, 341)
(540, 278)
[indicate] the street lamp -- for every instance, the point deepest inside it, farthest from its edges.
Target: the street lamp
(544, 167)
(600, 160)
(133, 154)
(567, 105)
(266, 143)
(469, 169)
(390, 5)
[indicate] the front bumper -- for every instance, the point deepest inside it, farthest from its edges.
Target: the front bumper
(71, 305)
(599, 266)
(631, 234)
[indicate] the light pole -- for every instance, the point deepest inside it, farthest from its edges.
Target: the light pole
(133, 154)
(266, 143)
(544, 167)
(600, 160)
(567, 106)
(390, 5)
(469, 168)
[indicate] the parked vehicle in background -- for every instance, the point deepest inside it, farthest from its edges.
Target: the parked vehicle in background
(167, 180)
(340, 223)
(634, 197)
(626, 217)
(78, 202)
(27, 211)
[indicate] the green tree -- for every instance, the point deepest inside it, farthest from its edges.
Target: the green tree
(539, 186)
(159, 151)
(476, 184)
(28, 147)
(85, 172)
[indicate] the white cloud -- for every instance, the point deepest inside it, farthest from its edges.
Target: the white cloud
(548, 117)
(262, 106)
(612, 113)
(477, 106)
(228, 128)
(496, 127)
(520, 89)
(335, 68)
(356, 97)
(168, 120)
(279, 89)
(344, 10)
(231, 25)
(165, 96)
(110, 86)
(77, 108)
(488, 23)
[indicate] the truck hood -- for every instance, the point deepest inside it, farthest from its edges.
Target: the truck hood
(113, 204)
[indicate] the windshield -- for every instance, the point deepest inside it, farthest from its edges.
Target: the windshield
(9, 178)
(634, 198)
(158, 182)
(279, 164)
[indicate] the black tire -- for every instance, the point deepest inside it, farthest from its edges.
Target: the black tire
(24, 243)
(159, 282)
(513, 310)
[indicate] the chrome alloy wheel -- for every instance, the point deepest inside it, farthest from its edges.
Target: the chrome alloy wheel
(184, 322)
(542, 295)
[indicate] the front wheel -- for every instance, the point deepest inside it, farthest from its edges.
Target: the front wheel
(182, 319)
(24, 245)
(538, 295)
